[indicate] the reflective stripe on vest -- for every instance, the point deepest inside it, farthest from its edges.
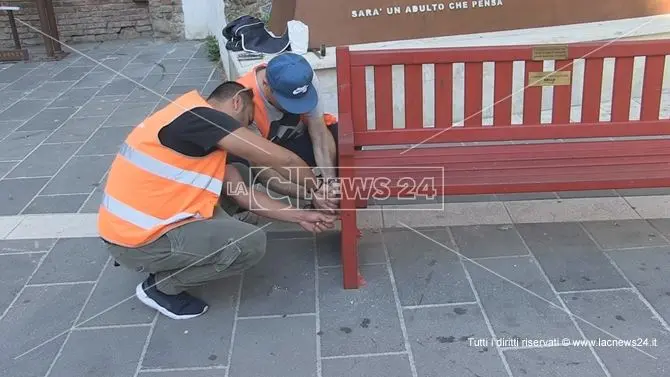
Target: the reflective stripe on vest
(170, 172)
(137, 218)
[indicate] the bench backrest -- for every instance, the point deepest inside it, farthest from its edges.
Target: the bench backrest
(439, 95)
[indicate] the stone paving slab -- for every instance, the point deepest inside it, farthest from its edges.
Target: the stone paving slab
(569, 257)
(439, 340)
(364, 321)
(556, 361)
(620, 313)
(514, 312)
(434, 276)
(488, 241)
(115, 351)
(376, 366)
(185, 373)
(645, 269)
(283, 282)
(289, 351)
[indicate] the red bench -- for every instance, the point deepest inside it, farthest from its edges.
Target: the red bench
(533, 156)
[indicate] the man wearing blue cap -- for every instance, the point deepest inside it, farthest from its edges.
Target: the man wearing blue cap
(289, 113)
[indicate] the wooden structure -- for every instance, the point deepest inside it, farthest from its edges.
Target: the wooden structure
(546, 165)
(48, 30)
(18, 53)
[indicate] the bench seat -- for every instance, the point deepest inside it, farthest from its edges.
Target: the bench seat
(516, 168)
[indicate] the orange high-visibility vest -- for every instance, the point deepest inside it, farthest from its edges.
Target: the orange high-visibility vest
(152, 189)
(260, 112)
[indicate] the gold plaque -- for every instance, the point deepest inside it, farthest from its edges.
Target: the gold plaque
(13, 55)
(552, 52)
(549, 78)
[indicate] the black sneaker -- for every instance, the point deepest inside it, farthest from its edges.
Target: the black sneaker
(181, 306)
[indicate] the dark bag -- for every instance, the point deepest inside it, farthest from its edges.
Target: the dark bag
(247, 33)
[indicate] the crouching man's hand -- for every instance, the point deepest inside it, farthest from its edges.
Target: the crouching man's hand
(315, 221)
(327, 198)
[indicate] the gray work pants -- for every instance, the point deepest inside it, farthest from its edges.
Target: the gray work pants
(196, 253)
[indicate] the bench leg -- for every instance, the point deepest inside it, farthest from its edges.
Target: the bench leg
(349, 251)
(361, 203)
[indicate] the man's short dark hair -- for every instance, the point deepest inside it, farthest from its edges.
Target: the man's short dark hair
(228, 89)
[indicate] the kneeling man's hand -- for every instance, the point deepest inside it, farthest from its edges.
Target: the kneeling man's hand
(327, 198)
(316, 222)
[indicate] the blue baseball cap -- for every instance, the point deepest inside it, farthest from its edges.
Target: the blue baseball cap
(290, 78)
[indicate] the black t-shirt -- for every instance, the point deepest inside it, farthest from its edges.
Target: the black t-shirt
(196, 133)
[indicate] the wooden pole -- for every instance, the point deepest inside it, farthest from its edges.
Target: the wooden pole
(53, 26)
(44, 24)
(15, 31)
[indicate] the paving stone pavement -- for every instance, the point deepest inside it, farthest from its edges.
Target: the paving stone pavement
(433, 301)
(434, 297)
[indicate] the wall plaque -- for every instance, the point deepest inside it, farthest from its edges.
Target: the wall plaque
(549, 78)
(13, 55)
(345, 22)
(550, 52)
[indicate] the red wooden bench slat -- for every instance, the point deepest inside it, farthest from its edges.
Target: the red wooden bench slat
(540, 175)
(444, 95)
(520, 151)
(510, 175)
(502, 168)
(593, 80)
(629, 178)
(414, 96)
(480, 180)
(383, 98)
(500, 159)
(606, 183)
(474, 74)
(652, 87)
(459, 134)
(596, 170)
(562, 100)
(502, 93)
(359, 99)
(623, 85)
(502, 53)
(540, 179)
(532, 95)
